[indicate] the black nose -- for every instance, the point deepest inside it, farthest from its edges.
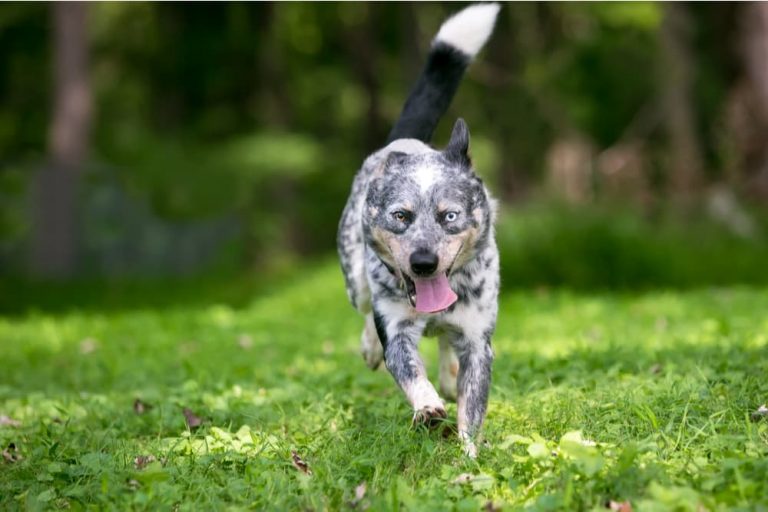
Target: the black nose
(423, 263)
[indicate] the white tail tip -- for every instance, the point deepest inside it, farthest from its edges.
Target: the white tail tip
(469, 29)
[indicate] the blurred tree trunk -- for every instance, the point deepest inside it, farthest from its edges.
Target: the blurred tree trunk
(518, 46)
(277, 112)
(361, 43)
(677, 77)
(752, 133)
(276, 105)
(509, 180)
(570, 168)
(411, 40)
(54, 239)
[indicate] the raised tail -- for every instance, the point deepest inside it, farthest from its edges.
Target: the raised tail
(460, 38)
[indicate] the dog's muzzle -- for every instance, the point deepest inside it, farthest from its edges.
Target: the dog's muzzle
(427, 291)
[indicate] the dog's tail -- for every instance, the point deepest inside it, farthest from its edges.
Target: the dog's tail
(460, 38)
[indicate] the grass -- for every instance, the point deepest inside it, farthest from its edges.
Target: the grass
(597, 397)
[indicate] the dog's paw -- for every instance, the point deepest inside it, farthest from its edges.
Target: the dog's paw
(372, 354)
(468, 445)
(470, 450)
(429, 416)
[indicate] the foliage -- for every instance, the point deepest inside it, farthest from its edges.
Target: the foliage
(612, 246)
(260, 114)
(596, 397)
(542, 245)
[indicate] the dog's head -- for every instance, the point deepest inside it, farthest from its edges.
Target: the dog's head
(425, 216)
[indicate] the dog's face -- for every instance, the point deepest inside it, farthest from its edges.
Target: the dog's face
(425, 215)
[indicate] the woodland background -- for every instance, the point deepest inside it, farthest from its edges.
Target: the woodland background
(627, 141)
(174, 332)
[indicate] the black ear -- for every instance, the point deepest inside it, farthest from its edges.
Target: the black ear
(458, 147)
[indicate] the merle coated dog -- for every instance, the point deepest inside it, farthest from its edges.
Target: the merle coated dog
(417, 244)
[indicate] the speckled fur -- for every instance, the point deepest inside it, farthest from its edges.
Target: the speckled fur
(375, 247)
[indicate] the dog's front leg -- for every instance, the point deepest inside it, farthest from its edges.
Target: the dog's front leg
(475, 359)
(400, 338)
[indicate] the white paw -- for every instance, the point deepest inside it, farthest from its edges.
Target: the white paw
(468, 445)
(429, 416)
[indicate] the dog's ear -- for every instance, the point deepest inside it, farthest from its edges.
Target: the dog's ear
(393, 159)
(457, 150)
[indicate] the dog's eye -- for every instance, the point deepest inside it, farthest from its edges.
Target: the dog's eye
(400, 216)
(451, 216)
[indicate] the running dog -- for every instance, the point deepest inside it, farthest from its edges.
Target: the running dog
(417, 246)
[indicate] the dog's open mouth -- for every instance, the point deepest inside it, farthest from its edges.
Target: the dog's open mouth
(430, 295)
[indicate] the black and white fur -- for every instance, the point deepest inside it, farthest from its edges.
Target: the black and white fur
(409, 200)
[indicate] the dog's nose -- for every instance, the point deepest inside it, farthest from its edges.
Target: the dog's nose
(423, 263)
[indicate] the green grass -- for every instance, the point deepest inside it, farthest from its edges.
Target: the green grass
(661, 382)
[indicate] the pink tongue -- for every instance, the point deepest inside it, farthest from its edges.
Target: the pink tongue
(433, 295)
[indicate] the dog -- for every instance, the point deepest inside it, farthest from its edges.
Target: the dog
(417, 247)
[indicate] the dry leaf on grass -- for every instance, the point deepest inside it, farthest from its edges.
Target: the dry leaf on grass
(193, 421)
(5, 421)
(11, 454)
(478, 482)
(140, 407)
(299, 463)
(760, 413)
(357, 502)
(142, 460)
(360, 491)
(463, 478)
(490, 507)
(619, 506)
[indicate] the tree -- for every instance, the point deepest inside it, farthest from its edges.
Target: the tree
(54, 241)
(677, 77)
(752, 131)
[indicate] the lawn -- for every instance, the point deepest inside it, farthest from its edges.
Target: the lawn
(648, 400)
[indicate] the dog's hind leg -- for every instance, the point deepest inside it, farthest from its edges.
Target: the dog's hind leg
(370, 346)
(473, 384)
(449, 368)
(475, 357)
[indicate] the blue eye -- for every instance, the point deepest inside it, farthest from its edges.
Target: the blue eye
(451, 216)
